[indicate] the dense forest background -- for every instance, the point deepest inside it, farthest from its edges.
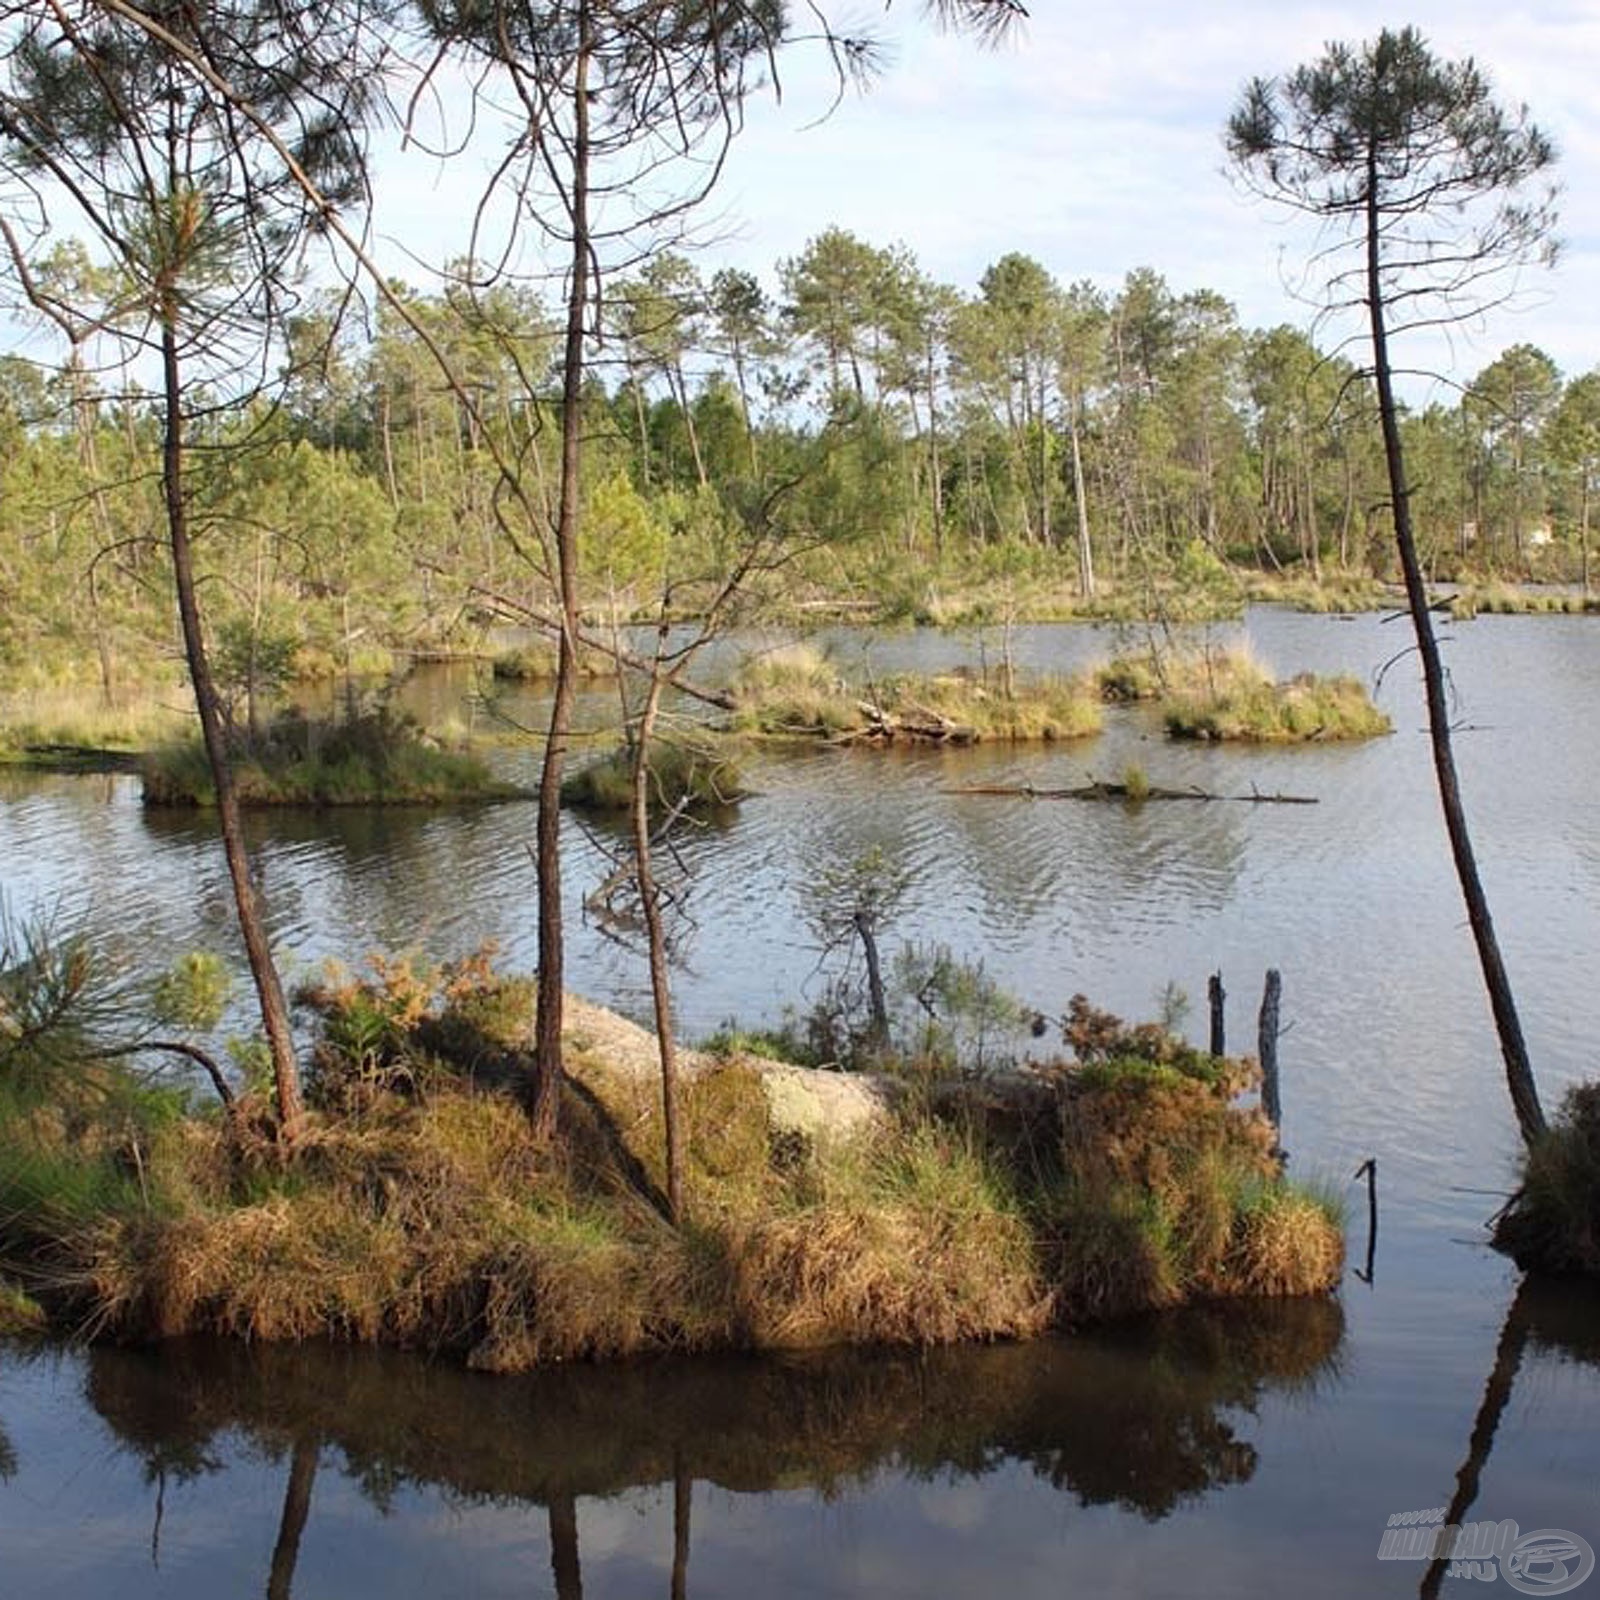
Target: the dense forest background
(1036, 446)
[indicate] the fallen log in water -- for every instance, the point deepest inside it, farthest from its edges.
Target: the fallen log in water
(915, 723)
(1097, 790)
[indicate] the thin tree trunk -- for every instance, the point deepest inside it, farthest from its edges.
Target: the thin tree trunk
(1079, 494)
(1513, 1047)
(660, 982)
(1347, 515)
(102, 639)
(386, 439)
(85, 417)
(1045, 535)
(547, 1067)
(641, 421)
(1583, 532)
(1217, 997)
(741, 378)
(689, 425)
(1313, 538)
(252, 927)
(875, 995)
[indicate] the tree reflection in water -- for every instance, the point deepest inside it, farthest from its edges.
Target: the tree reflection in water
(1561, 1317)
(1146, 1416)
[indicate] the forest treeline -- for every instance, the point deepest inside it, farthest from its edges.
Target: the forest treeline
(1045, 439)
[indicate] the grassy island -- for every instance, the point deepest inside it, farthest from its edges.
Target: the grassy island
(796, 694)
(417, 1210)
(1229, 695)
(1304, 709)
(372, 758)
(697, 775)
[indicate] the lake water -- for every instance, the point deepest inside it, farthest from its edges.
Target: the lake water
(1202, 1454)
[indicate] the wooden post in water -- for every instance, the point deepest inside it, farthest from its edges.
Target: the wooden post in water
(1369, 1170)
(1219, 998)
(1267, 1049)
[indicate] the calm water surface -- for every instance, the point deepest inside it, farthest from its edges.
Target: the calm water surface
(1204, 1454)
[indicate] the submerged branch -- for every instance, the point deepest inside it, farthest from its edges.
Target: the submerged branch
(1137, 793)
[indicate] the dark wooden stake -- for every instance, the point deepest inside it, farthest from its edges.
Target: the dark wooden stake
(1219, 998)
(1267, 1049)
(1369, 1170)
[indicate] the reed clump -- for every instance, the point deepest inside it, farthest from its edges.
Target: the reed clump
(536, 662)
(75, 726)
(1513, 600)
(1341, 592)
(375, 757)
(792, 692)
(1229, 695)
(1304, 709)
(19, 1313)
(1169, 1191)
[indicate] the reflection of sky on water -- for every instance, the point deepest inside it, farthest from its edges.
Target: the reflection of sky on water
(1389, 1053)
(1319, 1462)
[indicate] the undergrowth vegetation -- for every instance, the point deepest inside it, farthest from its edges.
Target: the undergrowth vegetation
(419, 1210)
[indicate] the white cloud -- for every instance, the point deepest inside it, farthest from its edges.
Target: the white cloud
(1094, 144)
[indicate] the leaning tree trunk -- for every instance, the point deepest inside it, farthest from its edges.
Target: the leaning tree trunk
(547, 1067)
(1513, 1047)
(252, 926)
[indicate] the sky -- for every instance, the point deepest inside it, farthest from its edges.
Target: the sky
(1092, 141)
